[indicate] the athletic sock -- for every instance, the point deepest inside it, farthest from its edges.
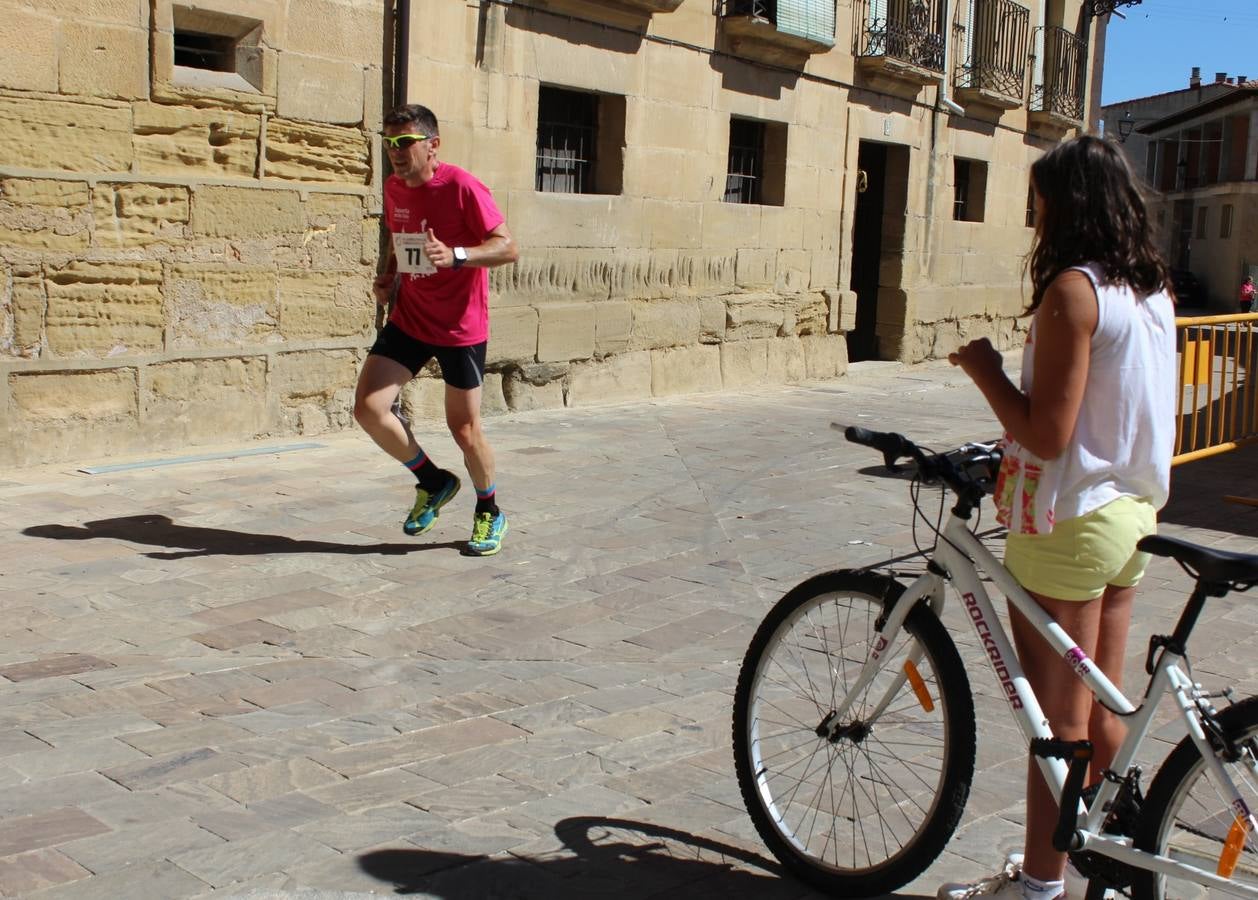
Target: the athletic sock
(1034, 889)
(425, 472)
(487, 500)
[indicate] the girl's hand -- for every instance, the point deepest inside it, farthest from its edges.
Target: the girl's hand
(978, 359)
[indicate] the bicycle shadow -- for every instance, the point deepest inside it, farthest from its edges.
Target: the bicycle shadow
(607, 858)
(192, 540)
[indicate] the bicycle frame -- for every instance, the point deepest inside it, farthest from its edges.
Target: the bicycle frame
(961, 555)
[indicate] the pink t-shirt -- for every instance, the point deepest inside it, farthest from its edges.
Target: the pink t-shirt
(450, 307)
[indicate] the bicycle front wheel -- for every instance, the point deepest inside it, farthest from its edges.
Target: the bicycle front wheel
(861, 806)
(1186, 817)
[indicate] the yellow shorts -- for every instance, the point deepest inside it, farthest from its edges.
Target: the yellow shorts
(1079, 557)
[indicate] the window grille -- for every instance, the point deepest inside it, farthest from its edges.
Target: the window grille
(567, 136)
(745, 175)
(970, 185)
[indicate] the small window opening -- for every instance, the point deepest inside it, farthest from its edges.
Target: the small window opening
(970, 190)
(212, 52)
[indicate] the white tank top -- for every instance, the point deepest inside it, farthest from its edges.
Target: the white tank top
(1125, 434)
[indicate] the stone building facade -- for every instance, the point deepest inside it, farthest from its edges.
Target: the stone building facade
(1203, 162)
(707, 196)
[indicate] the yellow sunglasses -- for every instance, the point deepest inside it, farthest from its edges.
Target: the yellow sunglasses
(403, 141)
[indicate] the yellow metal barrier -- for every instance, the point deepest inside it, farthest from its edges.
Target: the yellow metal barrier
(1218, 385)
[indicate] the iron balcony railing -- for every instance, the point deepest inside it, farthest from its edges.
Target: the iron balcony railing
(998, 47)
(910, 31)
(1061, 63)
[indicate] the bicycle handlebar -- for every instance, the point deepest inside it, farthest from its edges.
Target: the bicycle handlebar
(892, 446)
(971, 467)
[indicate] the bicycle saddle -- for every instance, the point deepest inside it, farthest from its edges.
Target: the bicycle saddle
(1210, 565)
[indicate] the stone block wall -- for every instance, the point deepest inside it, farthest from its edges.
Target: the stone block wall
(185, 258)
(185, 253)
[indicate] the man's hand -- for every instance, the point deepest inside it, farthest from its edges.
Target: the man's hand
(438, 253)
(382, 287)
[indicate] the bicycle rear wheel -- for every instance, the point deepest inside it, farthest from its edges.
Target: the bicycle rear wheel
(868, 811)
(1186, 818)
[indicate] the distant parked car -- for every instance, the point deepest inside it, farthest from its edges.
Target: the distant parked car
(1188, 288)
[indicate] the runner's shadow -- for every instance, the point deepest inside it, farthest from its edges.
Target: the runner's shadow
(196, 541)
(602, 858)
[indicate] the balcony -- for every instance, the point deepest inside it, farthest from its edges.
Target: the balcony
(649, 7)
(901, 42)
(784, 32)
(1057, 100)
(997, 48)
(613, 10)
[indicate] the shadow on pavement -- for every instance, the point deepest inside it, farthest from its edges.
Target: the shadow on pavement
(1198, 489)
(609, 858)
(195, 541)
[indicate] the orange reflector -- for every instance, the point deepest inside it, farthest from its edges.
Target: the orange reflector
(919, 686)
(1232, 847)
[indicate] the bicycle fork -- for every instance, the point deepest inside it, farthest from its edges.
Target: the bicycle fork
(928, 586)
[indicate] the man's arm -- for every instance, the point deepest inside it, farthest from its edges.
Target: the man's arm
(498, 249)
(382, 286)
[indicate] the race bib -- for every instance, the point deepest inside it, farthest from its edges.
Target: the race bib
(408, 247)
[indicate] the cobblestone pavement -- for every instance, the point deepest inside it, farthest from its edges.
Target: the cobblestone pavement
(238, 678)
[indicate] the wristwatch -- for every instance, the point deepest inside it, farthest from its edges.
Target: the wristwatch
(460, 256)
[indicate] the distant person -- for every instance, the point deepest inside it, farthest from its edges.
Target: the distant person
(446, 232)
(1088, 442)
(1247, 294)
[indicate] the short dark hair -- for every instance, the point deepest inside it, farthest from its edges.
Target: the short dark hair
(1093, 212)
(413, 114)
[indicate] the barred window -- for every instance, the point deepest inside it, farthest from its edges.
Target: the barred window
(567, 130)
(970, 190)
(744, 177)
(756, 172)
(209, 49)
(580, 142)
(1201, 222)
(1225, 222)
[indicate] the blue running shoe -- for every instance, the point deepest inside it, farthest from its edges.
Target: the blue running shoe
(487, 533)
(428, 506)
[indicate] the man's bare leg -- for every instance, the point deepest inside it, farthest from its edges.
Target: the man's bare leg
(379, 383)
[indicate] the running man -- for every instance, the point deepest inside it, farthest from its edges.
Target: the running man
(446, 231)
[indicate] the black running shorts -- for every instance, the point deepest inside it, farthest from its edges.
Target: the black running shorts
(461, 367)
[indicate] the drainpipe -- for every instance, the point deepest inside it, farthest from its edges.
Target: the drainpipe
(402, 52)
(943, 99)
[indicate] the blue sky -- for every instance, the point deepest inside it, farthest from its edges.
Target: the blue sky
(1154, 49)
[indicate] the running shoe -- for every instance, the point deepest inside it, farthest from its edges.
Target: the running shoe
(428, 506)
(488, 531)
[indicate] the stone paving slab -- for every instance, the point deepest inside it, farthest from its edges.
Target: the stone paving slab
(238, 679)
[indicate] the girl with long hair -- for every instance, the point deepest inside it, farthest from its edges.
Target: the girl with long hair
(1088, 444)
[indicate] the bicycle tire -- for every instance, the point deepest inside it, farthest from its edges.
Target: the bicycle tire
(899, 802)
(1184, 818)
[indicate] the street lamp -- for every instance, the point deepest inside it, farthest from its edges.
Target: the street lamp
(1125, 125)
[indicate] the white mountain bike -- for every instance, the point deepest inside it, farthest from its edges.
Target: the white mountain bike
(854, 721)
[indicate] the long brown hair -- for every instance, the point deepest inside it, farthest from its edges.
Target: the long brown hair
(1092, 212)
